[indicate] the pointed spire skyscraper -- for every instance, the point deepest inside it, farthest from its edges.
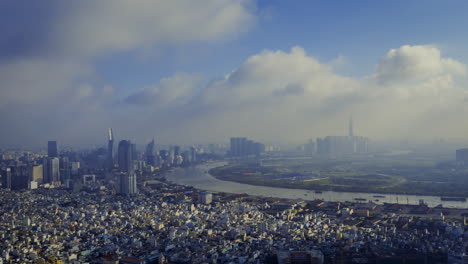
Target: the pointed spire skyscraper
(350, 128)
(110, 150)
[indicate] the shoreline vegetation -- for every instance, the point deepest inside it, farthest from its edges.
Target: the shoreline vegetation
(402, 187)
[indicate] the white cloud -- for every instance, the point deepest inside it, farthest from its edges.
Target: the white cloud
(53, 79)
(416, 63)
(277, 95)
(176, 90)
(273, 74)
(37, 80)
(94, 27)
(272, 95)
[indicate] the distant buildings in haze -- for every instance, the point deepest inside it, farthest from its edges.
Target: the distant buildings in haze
(243, 147)
(339, 145)
(462, 156)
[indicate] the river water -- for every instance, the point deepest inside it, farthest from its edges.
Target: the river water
(199, 178)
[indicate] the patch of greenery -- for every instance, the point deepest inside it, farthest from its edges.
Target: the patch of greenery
(381, 175)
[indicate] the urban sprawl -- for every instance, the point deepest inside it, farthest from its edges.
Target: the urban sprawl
(97, 207)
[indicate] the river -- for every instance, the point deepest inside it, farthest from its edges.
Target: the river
(199, 178)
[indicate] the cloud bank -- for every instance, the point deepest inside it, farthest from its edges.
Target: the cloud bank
(49, 49)
(49, 91)
(291, 96)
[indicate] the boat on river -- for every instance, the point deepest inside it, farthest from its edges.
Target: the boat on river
(453, 199)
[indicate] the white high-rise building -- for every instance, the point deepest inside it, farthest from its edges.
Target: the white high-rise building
(127, 183)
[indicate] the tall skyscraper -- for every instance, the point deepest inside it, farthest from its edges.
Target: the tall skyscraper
(52, 149)
(149, 151)
(127, 183)
(309, 148)
(110, 150)
(176, 150)
(134, 151)
(65, 171)
(37, 173)
(7, 179)
(19, 177)
(343, 145)
(52, 170)
(149, 154)
(125, 156)
(193, 154)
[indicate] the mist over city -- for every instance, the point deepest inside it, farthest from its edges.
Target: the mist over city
(233, 131)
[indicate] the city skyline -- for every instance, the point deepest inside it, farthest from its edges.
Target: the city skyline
(233, 131)
(254, 68)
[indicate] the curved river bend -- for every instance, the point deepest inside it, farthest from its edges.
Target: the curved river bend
(199, 178)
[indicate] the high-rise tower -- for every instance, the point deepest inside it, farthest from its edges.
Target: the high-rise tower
(149, 153)
(127, 183)
(110, 149)
(51, 170)
(350, 128)
(125, 156)
(52, 149)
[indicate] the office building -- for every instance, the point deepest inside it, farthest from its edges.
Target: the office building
(309, 148)
(176, 151)
(185, 158)
(110, 150)
(7, 179)
(134, 151)
(149, 153)
(32, 185)
(171, 157)
(193, 154)
(65, 171)
(462, 156)
(52, 149)
(20, 177)
(361, 144)
(342, 145)
(51, 171)
(149, 148)
(242, 147)
(37, 173)
(127, 183)
(74, 167)
(124, 154)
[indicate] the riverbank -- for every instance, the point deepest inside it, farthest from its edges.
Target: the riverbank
(400, 187)
(200, 178)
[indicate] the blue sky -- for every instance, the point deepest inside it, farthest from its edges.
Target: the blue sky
(360, 31)
(85, 59)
